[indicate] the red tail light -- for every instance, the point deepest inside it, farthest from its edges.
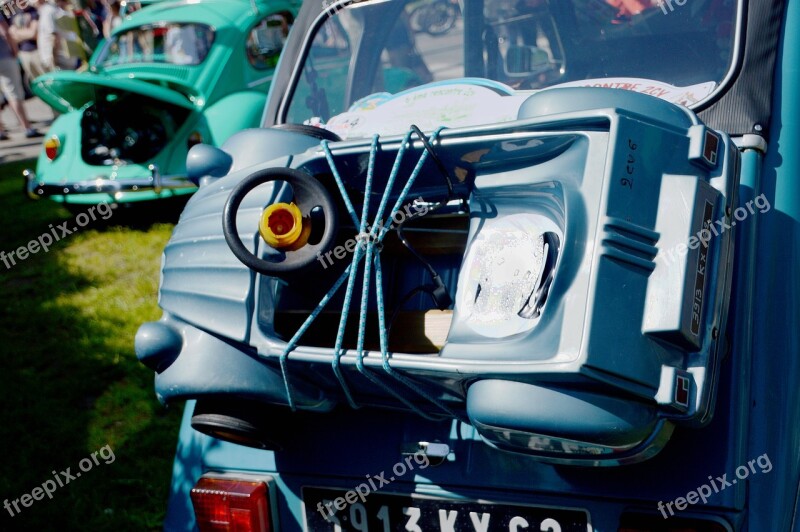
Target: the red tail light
(51, 147)
(231, 505)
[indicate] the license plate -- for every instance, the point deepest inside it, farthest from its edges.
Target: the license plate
(384, 513)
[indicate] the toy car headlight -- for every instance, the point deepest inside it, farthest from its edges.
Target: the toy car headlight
(507, 274)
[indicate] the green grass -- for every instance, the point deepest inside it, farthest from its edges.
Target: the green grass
(70, 383)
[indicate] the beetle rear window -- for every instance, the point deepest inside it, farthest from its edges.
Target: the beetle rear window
(176, 44)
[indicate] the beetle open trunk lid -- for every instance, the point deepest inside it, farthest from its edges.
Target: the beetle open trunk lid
(69, 91)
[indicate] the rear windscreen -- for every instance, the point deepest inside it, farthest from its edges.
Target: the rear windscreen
(176, 44)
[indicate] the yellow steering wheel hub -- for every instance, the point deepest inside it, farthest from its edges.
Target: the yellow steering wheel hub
(282, 226)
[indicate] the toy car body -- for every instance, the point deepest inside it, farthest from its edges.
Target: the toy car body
(171, 76)
(492, 280)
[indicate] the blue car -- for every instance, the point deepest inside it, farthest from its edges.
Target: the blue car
(533, 272)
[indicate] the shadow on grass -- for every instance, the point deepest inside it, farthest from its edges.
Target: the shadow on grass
(143, 216)
(69, 380)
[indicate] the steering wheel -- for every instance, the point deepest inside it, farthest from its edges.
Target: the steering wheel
(309, 195)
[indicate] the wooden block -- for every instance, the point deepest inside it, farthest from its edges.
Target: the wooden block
(418, 332)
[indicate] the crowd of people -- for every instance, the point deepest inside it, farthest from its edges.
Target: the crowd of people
(41, 36)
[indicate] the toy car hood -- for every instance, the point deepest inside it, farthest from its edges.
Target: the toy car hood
(69, 91)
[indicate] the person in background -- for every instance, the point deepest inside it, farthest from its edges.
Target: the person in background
(113, 17)
(98, 13)
(131, 7)
(80, 31)
(48, 39)
(629, 8)
(24, 29)
(181, 45)
(11, 83)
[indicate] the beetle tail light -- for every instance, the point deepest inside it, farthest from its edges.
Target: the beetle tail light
(52, 147)
(231, 505)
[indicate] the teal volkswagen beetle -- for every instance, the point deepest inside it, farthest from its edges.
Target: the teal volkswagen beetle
(171, 76)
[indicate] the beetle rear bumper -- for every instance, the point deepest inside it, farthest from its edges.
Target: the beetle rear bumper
(157, 183)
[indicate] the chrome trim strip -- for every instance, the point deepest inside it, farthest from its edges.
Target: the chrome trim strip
(156, 183)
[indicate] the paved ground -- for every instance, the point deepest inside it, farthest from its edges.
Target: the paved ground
(18, 147)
